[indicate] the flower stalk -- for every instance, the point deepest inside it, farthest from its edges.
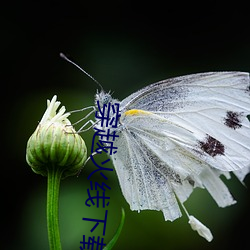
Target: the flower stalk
(53, 186)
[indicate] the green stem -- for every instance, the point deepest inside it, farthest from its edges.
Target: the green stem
(54, 177)
(117, 234)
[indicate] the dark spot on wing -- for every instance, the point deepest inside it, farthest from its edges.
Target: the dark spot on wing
(191, 181)
(248, 88)
(232, 119)
(212, 146)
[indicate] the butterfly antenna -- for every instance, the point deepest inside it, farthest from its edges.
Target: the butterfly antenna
(68, 60)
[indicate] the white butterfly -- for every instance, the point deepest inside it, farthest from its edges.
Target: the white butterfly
(182, 133)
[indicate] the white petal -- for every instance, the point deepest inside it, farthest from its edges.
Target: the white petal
(48, 113)
(51, 114)
(200, 228)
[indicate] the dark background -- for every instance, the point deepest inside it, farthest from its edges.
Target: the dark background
(125, 45)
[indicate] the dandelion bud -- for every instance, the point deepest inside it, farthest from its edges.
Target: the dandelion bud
(55, 143)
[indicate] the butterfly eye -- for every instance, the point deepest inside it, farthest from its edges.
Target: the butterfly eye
(106, 99)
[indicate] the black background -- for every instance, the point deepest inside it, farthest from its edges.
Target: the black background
(124, 45)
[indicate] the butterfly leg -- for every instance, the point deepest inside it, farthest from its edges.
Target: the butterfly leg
(83, 127)
(81, 110)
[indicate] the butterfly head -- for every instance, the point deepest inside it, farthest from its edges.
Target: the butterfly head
(104, 98)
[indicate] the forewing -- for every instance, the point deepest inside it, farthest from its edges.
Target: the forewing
(213, 106)
(176, 93)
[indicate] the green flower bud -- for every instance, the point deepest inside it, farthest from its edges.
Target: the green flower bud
(55, 143)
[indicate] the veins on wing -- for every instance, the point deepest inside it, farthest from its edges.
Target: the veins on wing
(160, 170)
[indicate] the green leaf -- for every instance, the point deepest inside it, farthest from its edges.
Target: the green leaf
(117, 234)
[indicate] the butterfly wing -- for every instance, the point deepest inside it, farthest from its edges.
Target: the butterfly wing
(153, 169)
(213, 106)
(181, 133)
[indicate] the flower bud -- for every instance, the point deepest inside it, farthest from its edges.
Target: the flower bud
(55, 143)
